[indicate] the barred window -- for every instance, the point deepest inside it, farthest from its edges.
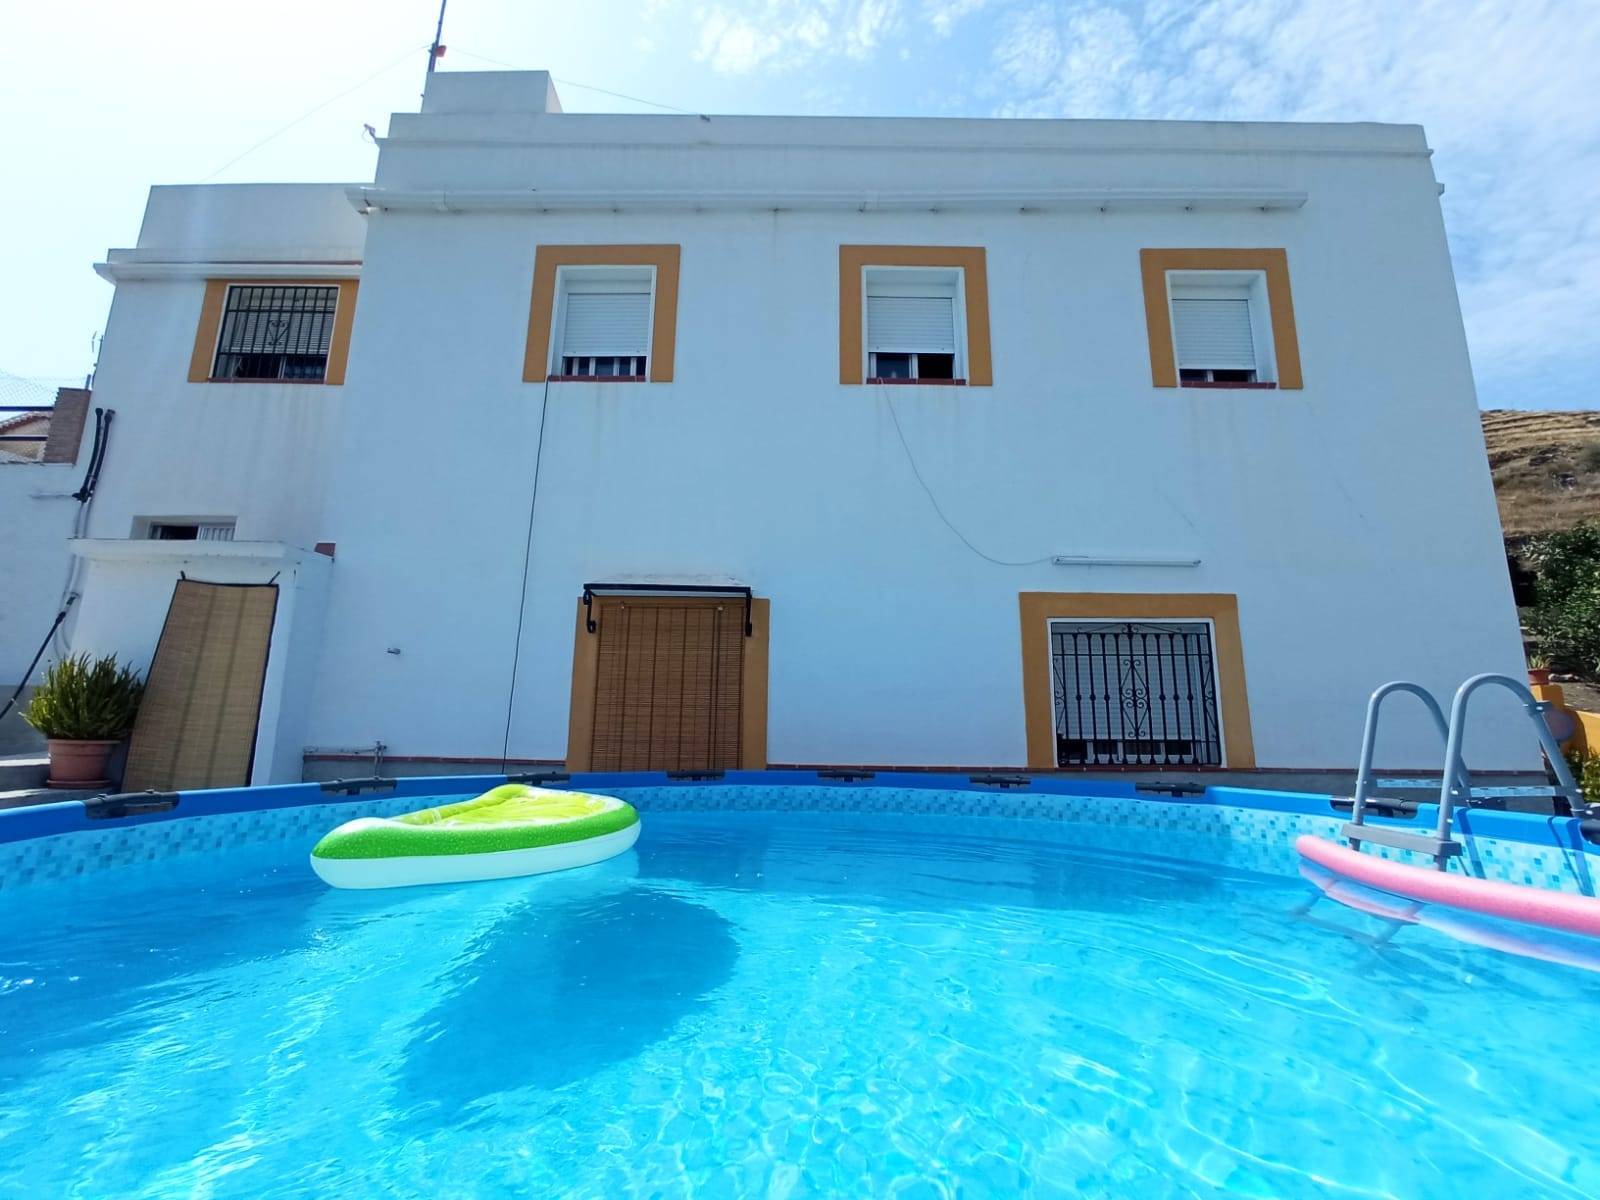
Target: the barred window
(604, 366)
(1135, 693)
(275, 332)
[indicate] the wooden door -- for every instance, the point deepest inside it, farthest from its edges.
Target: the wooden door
(202, 702)
(668, 684)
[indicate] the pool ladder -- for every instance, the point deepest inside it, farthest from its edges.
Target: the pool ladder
(1455, 783)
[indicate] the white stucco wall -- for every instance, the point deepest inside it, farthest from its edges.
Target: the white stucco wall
(260, 453)
(1354, 519)
(257, 452)
(127, 590)
(244, 223)
(36, 514)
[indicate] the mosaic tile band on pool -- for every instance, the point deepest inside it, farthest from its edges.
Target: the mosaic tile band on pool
(789, 987)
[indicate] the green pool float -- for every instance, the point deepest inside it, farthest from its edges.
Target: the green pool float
(512, 830)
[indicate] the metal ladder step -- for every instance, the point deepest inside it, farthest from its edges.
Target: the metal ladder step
(1421, 782)
(1549, 789)
(1431, 782)
(1400, 839)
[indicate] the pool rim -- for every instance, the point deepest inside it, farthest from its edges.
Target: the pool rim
(75, 816)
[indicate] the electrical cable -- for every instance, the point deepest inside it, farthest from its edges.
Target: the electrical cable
(91, 476)
(527, 559)
(69, 596)
(80, 521)
(44, 645)
(934, 500)
(587, 87)
(314, 111)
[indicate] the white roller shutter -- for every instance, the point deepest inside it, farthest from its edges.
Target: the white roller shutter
(911, 324)
(1214, 333)
(606, 323)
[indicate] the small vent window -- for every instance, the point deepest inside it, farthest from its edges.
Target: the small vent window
(276, 332)
(195, 531)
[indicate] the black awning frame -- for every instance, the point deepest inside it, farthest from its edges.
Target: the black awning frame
(590, 590)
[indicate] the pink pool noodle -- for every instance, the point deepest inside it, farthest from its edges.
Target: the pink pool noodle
(1509, 901)
(1465, 928)
(1452, 922)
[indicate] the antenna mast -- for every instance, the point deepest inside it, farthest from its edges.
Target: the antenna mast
(438, 32)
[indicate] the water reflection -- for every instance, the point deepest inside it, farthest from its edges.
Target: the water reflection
(559, 990)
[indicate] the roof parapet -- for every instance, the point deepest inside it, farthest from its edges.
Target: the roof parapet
(490, 92)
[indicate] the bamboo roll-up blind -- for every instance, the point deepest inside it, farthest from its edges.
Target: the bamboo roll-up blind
(197, 724)
(668, 686)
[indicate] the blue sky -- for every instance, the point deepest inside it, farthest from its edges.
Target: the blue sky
(105, 99)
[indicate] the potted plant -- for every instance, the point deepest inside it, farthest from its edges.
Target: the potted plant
(1539, 670)
(84, 708)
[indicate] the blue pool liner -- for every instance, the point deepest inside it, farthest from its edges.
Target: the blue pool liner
(46, 820)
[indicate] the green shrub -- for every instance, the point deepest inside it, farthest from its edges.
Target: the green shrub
(1586, 771)
(85, 700)
(1565, 617)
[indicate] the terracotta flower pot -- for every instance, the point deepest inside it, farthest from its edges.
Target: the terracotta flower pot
(1538, 676)
(78, 764)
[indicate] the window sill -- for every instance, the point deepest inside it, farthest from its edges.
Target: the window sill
(597, 379)
(921, 382)
(1249, 387)
(289, 382)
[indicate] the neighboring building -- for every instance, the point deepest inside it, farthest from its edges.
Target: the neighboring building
(934, 442)
(38, 485)
(22, 437)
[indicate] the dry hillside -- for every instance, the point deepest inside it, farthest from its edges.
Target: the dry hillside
(1546, 468)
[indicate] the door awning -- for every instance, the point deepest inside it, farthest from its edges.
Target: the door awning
(624, 587)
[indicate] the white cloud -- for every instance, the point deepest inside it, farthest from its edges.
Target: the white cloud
(1505, 88)
(733, 45)
(944, 15)
(785, 34)
(1028, 52)
(870, 23)
(1506, 91)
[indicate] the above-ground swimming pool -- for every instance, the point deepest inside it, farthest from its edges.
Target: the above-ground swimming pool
(781, 991)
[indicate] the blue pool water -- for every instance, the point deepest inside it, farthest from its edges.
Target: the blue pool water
(778, 1006)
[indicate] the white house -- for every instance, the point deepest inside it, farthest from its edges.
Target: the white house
(703, 441)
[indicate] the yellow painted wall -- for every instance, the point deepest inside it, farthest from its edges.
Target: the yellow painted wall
(1585, 738)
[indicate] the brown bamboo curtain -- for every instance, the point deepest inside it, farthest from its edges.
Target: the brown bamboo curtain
(197, 725)
(668, 686)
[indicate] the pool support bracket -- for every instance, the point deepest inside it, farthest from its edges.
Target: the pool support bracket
(354, 787)
(539, 778)
(129, 804)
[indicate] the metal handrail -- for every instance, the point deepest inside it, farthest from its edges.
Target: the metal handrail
(1535, 709)
(1369, 741)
